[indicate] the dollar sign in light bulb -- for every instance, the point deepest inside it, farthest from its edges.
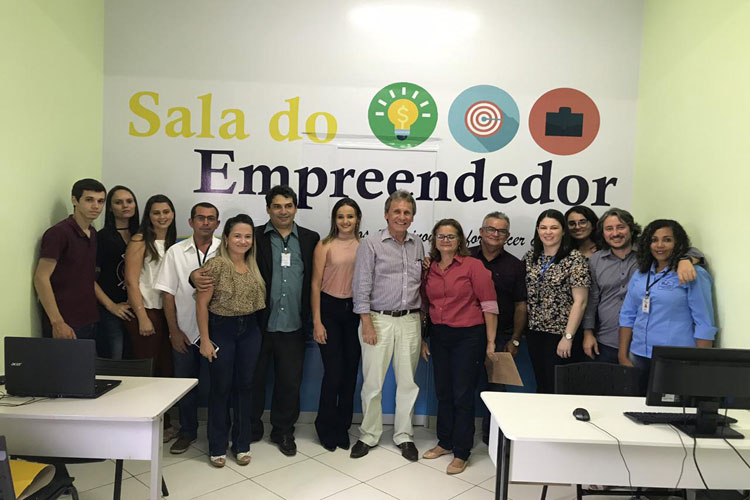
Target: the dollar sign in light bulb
(402, 114)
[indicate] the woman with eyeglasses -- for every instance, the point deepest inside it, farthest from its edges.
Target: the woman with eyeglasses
(659, 308)
(582, 223)
(462, 306)
(557, 283)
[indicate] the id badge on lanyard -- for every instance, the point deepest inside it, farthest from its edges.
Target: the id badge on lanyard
(286, 259)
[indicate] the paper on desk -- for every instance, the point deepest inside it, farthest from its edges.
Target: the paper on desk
(501, 369)
(30, 477)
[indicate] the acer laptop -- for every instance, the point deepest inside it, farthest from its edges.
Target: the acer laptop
(53, 368)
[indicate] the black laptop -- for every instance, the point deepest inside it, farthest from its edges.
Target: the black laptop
(53, 368)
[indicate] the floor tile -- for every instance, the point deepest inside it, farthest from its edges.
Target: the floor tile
(424, 439)
(94, 474)
(479, 469)
(476, 493)
(307, 480)
(360, 492)
(531, 491)
(266, 458)
(378, 461)
(417, 482)
(137, 467)
(194, 477)
(244, 490)
(307, 440)
(132, 489)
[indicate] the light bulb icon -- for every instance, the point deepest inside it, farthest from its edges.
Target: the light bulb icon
(402, 113)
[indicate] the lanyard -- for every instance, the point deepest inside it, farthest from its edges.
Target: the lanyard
(198, 252)
(648, 279)
(544, 269)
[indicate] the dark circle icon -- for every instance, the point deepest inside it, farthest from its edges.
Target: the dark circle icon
(564, 121)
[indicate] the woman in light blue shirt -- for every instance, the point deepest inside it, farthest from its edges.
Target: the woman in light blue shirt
(659, 309)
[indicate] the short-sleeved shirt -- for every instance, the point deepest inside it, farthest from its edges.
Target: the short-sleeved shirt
(549, 285)
(235, 294)
(110, 259)
(75, 271)
(173, 278)
(285, 309)
(460, 294)
(509, 277)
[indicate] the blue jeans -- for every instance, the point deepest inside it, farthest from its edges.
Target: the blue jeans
(188, 365)
(110, 335)
(238, 339)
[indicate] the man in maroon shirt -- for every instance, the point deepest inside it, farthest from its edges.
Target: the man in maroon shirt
(65, 276)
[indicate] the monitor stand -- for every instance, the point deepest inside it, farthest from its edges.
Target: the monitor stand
(706, 424)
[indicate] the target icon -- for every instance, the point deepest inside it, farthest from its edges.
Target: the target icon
(483, 119)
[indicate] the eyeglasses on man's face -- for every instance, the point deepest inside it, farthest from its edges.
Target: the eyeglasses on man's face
(494, 230)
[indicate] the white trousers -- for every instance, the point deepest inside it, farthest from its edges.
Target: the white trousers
(398, 338)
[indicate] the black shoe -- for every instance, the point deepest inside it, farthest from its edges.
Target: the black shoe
(409, 451)
(360, 449)
(255, 438)
(344, 442)
(329, 447)
(286, 444)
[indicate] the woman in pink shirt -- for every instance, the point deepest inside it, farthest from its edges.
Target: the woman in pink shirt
(462, 304)
(335, 324)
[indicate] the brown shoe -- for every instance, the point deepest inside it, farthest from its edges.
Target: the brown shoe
(170, 433)
(457, 466)
(181, 445)
(437, 451)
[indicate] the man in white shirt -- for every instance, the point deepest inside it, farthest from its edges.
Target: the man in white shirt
(179, 307)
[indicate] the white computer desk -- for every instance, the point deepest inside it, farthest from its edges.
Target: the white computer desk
(125, 423)
(541, 442)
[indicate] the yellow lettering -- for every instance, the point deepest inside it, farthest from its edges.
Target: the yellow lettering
(331, 127)
(238, 122)
(292, 116)
(143, 112)
(205, 100)
(183, 121)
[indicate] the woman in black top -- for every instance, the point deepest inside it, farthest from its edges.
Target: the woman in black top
(120, 222)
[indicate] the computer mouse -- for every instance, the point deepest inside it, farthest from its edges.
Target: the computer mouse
(582, 414)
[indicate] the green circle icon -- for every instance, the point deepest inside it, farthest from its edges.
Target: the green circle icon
(402, 115)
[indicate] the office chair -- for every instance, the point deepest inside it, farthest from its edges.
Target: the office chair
(602, 379)
(126, 368)
(61, 484)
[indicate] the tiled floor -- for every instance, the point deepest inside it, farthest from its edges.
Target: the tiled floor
(312, 474)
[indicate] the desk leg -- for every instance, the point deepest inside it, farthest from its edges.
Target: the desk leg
(502, 477)
(157, 432)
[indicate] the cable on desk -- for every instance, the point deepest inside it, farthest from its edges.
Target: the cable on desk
(684, 457)
(730, 444)
(23, 403)
(619, 448)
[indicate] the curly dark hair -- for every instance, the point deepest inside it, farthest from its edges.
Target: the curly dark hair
(681, 244)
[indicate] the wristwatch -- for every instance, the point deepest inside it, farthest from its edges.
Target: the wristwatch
(515, 342)
(568, 336)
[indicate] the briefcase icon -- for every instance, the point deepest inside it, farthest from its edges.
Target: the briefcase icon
(564, 123)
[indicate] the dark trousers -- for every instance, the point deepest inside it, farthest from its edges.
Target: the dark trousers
(501, 340)
(643, 366)
(544, 358)
(156, 346)
(82, 332)
(340, 355)
(457, 355)
(287, 350)
(188, 365)
(110, 337)
(607, 354)
(238, 339)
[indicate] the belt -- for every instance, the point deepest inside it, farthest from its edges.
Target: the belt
(397, 314)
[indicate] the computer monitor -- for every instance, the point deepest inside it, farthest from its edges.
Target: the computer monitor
(706, 379)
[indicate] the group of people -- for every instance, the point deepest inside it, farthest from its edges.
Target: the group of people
(245, 300)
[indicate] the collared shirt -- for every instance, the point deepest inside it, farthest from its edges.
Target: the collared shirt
(75, 271)
(678, 314)
(610, 276)
(460, 294)
(550, 287)
(387, 273)
(286, 286)
(609, 283)
(180, 260)
(509, 277)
